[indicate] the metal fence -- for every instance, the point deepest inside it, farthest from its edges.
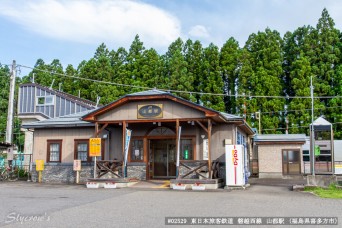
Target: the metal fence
(321, 167)
(21, 162)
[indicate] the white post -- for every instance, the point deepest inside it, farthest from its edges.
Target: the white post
(77, 177)
(95, 168)
(312, 138)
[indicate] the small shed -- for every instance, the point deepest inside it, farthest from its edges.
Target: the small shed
(322, 132)
(279, 155)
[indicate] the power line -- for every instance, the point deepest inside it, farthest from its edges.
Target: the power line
(284, 128)
(178, 91)
(297, 110)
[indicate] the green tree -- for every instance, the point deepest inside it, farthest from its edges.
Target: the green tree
(134, 65)
(261, 74)
(193, 55)
(229, 62)
(212, 82)
(118, 60)
(151, 69)
(326, 66)
(177, 77)
(4, 83)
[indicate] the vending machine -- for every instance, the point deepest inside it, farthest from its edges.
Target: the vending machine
(235, 165)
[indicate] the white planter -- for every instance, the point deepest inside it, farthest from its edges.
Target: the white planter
(110, 185)
(92, 185)
(198, 187)
(179, 187)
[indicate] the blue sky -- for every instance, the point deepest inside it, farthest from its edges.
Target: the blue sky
(71, 30)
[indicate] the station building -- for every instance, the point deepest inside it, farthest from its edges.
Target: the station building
(155, 119)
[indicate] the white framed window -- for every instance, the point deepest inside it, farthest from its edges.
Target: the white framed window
(240, 139)
(54, 150)
(45, 100)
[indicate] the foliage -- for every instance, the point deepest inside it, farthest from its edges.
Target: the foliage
(223, 78)
(261, 72)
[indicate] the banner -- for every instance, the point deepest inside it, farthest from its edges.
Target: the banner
(317, 150)
(127, 140)
(178, 146)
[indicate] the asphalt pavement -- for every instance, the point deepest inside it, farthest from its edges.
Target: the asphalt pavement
(47, 205)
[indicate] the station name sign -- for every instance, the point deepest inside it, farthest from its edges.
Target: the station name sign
(150, 111)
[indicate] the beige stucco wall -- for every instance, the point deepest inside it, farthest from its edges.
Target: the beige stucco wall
(219, 133)
(171, 110)
(66, 135)
(270, 159)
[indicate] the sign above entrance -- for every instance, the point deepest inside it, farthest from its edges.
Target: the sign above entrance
(150, 111)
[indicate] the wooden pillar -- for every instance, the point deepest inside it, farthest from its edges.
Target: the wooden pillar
(123, 145)
(209, 148)
(177, 167)
(96, 129)
(146, 157)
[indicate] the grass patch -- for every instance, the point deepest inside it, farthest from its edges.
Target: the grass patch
(332, 191)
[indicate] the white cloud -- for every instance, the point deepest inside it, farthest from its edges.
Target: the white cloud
(86, 21)
(199, 31)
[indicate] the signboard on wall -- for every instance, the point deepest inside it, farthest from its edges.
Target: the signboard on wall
(39, 165)
(77, 165)
(150, 111)
(338, 168)
(205, 149)
(235, 165)
(10, 154)
(95, 147)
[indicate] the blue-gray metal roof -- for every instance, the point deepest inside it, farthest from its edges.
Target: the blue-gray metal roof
(148, 93)
(230, 116)
(280, 138)
(321, 124)
(73, 120)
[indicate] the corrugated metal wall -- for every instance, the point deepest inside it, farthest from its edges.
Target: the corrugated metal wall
(61, 106)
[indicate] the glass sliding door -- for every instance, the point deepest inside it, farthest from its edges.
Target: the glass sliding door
(291, 162)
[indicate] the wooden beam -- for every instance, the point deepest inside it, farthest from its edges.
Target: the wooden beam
(146, 157)
(96, 129)
(209, 150)
(102, 128)
(204, 128)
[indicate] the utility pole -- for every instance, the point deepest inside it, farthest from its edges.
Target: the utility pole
(9, 127)
(258, 117)
(312, 133)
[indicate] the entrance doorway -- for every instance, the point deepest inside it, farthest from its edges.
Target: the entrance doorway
(291, 162)
(162, 159)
